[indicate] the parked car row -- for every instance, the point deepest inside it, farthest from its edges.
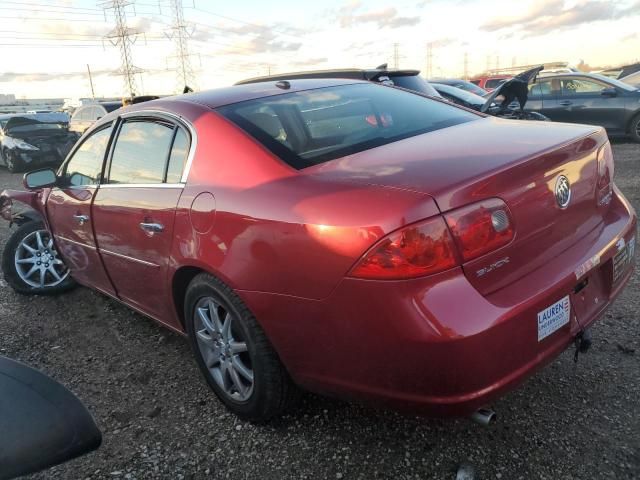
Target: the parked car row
(320, 233)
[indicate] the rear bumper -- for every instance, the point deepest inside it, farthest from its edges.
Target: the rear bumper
(435, 345)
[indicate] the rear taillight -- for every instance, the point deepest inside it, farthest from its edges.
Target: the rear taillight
(604, 186)
(419, 249)
(480, 228)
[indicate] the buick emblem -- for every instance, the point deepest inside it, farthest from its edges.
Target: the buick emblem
(563, 191)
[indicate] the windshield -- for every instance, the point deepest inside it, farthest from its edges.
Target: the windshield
(314, 126)
(614, 82)
(468, 97)
(37, 126)
(415, 83)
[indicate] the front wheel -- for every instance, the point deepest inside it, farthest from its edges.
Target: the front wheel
(13, 164)
(31, 264)
(234, 354)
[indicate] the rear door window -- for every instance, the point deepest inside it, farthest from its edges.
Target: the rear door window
(315, 126)
(141, 152)
(573, 86)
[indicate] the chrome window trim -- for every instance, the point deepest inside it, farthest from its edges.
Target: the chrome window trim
(181, 121)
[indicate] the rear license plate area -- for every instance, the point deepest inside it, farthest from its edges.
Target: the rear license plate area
(554, 317)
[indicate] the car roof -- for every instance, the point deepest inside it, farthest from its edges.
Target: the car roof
(241, 93)
(351, 73)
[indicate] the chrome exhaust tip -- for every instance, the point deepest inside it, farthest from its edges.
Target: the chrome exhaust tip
(484, 416)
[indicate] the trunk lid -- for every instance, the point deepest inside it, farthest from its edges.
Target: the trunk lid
(516, 161)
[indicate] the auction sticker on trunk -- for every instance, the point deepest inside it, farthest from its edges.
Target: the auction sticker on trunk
(553, 317)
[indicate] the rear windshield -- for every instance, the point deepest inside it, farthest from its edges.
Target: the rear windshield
(315, 126)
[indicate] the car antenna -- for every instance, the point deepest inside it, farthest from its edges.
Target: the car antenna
(283, 84)
(382, 67)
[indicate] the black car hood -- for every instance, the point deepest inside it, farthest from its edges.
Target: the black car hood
(516, 87)
(35, 119)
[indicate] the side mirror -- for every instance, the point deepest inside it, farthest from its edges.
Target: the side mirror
(609, 92)
(39, 179)
(43, 424)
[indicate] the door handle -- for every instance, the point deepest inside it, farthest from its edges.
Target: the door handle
(81, 219)
(566, 103)
(152, 227)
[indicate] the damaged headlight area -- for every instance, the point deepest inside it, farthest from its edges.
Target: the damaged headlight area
(22, 145)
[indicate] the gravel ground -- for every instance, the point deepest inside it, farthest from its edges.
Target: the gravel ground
(159, 420)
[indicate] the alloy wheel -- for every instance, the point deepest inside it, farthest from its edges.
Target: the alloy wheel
(37, 262)
(224, 349)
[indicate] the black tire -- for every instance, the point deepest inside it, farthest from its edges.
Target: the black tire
(10, 269)
(634, 128)
(273, 391)
(14, 165)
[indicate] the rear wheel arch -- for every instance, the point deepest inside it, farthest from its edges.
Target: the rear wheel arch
(180, 283)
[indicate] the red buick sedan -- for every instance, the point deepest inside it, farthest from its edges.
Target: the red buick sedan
(343, 237)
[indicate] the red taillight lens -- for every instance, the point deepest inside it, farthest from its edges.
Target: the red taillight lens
(419, 249)
(605, 174)
(480, 228)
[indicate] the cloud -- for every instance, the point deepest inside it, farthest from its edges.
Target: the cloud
(46, 76)
(553, 15)
(444, 42)
(351, 14)
(254, 38)
(310, 62)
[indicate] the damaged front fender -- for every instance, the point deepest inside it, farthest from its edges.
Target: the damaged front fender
(31, 199)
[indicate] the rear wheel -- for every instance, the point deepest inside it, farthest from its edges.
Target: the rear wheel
(234, 354)
(31, 264)
(634, 130)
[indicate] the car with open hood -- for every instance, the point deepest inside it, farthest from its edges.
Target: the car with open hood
(30, 141)
(339, 236)
(513, 94)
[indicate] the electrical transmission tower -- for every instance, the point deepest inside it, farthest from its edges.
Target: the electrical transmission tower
(396, 56)
(429, 72)
(466, 66)
(180, 33)
(123, 37)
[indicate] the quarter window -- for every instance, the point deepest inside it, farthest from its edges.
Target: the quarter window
(85, 166)
(141, 152)
(178, 157)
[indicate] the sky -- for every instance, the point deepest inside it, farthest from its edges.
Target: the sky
(46, 45)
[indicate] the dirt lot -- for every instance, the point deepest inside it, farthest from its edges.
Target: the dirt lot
(159, 420)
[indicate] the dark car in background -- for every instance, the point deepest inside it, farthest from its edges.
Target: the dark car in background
(461, 84)
(29, 141)
(590, 99)
(87, 115)
(409, 79)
